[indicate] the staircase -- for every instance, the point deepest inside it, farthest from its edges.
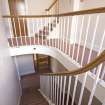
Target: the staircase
(43, 63)
(65, 88)
(76, 36)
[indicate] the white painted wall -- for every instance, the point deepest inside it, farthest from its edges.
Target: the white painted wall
(5, 11)
(87, 4)
(37, 7)
(65, 6)
(25, 64)
(5, 7)
(56, 66)
(9, 80)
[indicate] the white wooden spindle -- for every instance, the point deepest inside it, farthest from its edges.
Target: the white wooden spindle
(63, 27)
(41, 24)
(53, 37)
(11, 33)
(67, 29)
(15, 32)
(78, 49)
(69, 47)
(95, 84)
(64, 33)
(56, 32)
(20, 31)
(46, 30)
(44, 35)
(25, 34)
(70, 18)
(68, 92)
(47, 87)
(75, 34)
(55, 89)
(33, 26)
(29, 30)
(59, 33)
(82, 89)
(74, 91)
(51, 88)
(38, 26)
(61, 30)
(49, 30)
(60, 90)
(64, 86)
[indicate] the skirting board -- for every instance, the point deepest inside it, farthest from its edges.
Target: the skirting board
(46, 98)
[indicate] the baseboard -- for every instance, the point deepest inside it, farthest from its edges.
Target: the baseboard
(30, 74)
(19, 99)
(46, 98)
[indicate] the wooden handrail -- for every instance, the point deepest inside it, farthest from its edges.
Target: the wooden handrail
(82, 12)
(51, 5)
(98, 60)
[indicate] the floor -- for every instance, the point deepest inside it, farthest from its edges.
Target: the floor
(30, 94)
(30, 91)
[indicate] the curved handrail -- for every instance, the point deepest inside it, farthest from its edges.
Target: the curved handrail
(81, 12)
(51, 5)
(98, 60)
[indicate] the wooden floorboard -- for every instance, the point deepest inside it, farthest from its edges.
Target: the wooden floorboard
(30, 94)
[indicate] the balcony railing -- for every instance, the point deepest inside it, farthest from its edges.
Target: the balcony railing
(80, 35)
